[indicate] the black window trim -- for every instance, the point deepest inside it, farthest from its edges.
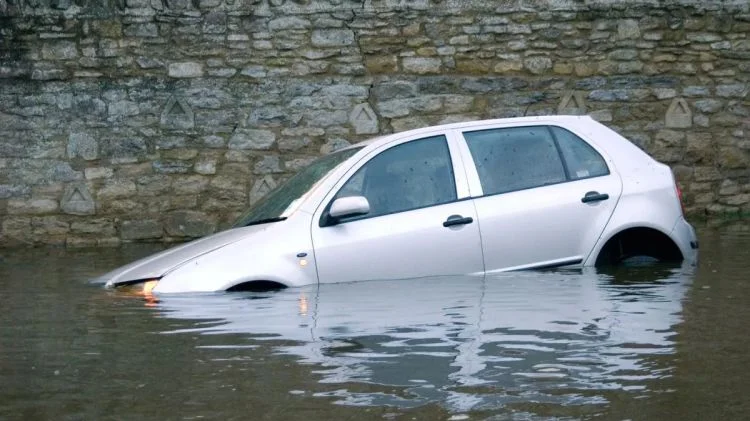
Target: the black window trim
(327, 221)
(568, 179)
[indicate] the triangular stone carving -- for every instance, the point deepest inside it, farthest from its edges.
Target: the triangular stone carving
(364, 120)
(573, 103)
(77, 200)
(679, 115)
(177, 114)
(261, 188)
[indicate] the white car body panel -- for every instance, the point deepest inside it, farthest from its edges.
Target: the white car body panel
(156, 265)
(537, 227)
(544, 226)
(403, 245)
(268, 252)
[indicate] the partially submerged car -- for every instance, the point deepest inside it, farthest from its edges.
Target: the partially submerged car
(458, 199)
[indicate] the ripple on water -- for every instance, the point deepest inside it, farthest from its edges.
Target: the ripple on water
(521, 333)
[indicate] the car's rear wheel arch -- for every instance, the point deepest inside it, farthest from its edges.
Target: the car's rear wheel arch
(257, 286)
(639, 241)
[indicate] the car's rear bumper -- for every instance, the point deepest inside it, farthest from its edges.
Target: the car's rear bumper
(684, 235)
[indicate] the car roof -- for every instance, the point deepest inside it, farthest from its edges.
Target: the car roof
(470, 124)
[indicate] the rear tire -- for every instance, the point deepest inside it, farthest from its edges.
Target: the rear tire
(638, 247)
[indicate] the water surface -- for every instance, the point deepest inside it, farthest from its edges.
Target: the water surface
(656, 342)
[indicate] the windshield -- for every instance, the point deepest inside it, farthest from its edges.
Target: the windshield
(275, 205)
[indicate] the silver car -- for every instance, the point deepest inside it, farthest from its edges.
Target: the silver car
(459, 199)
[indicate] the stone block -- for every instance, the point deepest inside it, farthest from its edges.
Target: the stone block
(214, 141)
(189, 224)
(185, 70)
(670, 137)
(422, 65)
(294, 165)
(144, 229)
(381, 64)
(332, 37)
(13, 190)
(733, 158)
(628, 29)
(205, 166)
(49, 225)
(82, 145)
(709, 106)
(738, 90)
(153, 185)
(31, 206)
(48, 74)
(115, 189)
(288, 22)
(142, 30)
(293, 143)
(101, 226)
(123, 109)
(252, 139)
(59, 50)
(333, 144)
(192, 184)
(537, 65)
(149, 62)
(269, 164)
(171, 166)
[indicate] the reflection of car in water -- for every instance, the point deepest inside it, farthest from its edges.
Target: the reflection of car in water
(460, 199)
(521, 335)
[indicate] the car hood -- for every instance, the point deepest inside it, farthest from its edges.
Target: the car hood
(157, 265)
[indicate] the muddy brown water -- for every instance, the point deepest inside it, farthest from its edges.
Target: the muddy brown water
(656, 342)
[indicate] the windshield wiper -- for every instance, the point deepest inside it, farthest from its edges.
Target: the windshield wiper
(265, 221)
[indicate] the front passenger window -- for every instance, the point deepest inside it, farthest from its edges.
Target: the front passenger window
(408, 176)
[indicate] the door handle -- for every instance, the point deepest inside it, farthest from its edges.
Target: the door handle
(457, 220)
(594, 196)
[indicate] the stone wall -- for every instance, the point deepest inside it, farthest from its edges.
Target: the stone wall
(126, 120)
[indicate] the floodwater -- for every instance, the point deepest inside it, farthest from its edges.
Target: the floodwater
(667, 343)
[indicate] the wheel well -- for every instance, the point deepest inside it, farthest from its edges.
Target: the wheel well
(257, 286)
(639, 241)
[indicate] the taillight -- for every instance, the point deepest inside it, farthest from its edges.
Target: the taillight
(679, 194)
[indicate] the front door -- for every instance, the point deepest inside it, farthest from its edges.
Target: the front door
(418, 226)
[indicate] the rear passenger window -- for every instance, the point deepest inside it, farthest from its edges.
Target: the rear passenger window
(582, 160)
(515, 158)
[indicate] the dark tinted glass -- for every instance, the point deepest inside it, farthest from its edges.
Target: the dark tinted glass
(275, 204)
(515, 158)
(411, 175)
(582, 160)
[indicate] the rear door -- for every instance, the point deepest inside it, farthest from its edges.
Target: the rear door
(421, 220)
(543, 195)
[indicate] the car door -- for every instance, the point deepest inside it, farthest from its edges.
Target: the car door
(420, 222)
(543, 195)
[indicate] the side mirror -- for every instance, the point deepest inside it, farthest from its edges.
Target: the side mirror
(349, 206)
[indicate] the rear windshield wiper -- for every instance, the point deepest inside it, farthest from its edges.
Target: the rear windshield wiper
(265, 221)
